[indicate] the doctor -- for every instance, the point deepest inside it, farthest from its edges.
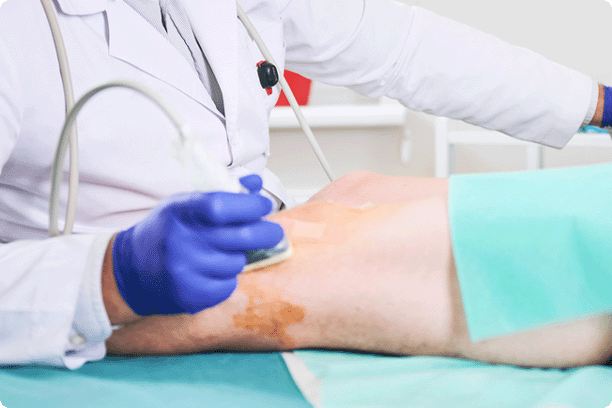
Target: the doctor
(180, 252)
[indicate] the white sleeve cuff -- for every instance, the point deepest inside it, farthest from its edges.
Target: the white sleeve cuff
(85, 352)
(90, 325)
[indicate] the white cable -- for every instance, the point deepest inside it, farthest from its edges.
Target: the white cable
(288, 93)
(56, 171)
(64, 68)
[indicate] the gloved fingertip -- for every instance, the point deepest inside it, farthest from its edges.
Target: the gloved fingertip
(222, 208)
(266, 205)
(278, 232)
(252, 182)
(271, 234)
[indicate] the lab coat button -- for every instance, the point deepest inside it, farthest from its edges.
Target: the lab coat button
(77, 340)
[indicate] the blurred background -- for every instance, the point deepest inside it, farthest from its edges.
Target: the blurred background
(575, 34)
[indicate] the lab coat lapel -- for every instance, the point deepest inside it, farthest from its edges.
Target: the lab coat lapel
(133, 40)
(214, 25)
(81, 8)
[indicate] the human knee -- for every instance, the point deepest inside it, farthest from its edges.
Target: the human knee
(358, 176)
(361, 178)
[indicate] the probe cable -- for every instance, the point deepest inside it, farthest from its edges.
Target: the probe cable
(64, 68)
(56, 171)
(288, 93)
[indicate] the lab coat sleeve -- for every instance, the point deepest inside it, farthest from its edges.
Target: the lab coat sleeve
(435, 65)
(11, 104)
(51, 307)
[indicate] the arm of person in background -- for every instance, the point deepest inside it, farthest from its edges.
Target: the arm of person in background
(375, 278)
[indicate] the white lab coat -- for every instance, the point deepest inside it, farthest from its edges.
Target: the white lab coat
(51, 309)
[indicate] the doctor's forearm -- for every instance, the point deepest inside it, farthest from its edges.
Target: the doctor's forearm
(117, 310)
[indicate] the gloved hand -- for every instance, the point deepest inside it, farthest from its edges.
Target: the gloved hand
(184, 257)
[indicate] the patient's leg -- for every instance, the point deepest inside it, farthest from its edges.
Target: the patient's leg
(377, 279)
(350, 284)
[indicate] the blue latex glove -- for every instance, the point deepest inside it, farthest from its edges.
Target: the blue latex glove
(184, 257)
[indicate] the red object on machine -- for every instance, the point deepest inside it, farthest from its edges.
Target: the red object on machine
(300, 87)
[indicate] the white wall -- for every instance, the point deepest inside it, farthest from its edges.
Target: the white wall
(574, 33)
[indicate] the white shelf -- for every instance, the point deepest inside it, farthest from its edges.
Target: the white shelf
(445, 140)
(379, 115)
(483, 137)
(591, 140)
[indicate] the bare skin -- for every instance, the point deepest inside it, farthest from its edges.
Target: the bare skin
(598, 116)
(377, 278)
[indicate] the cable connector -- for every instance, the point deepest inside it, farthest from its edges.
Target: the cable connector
(268, 75)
